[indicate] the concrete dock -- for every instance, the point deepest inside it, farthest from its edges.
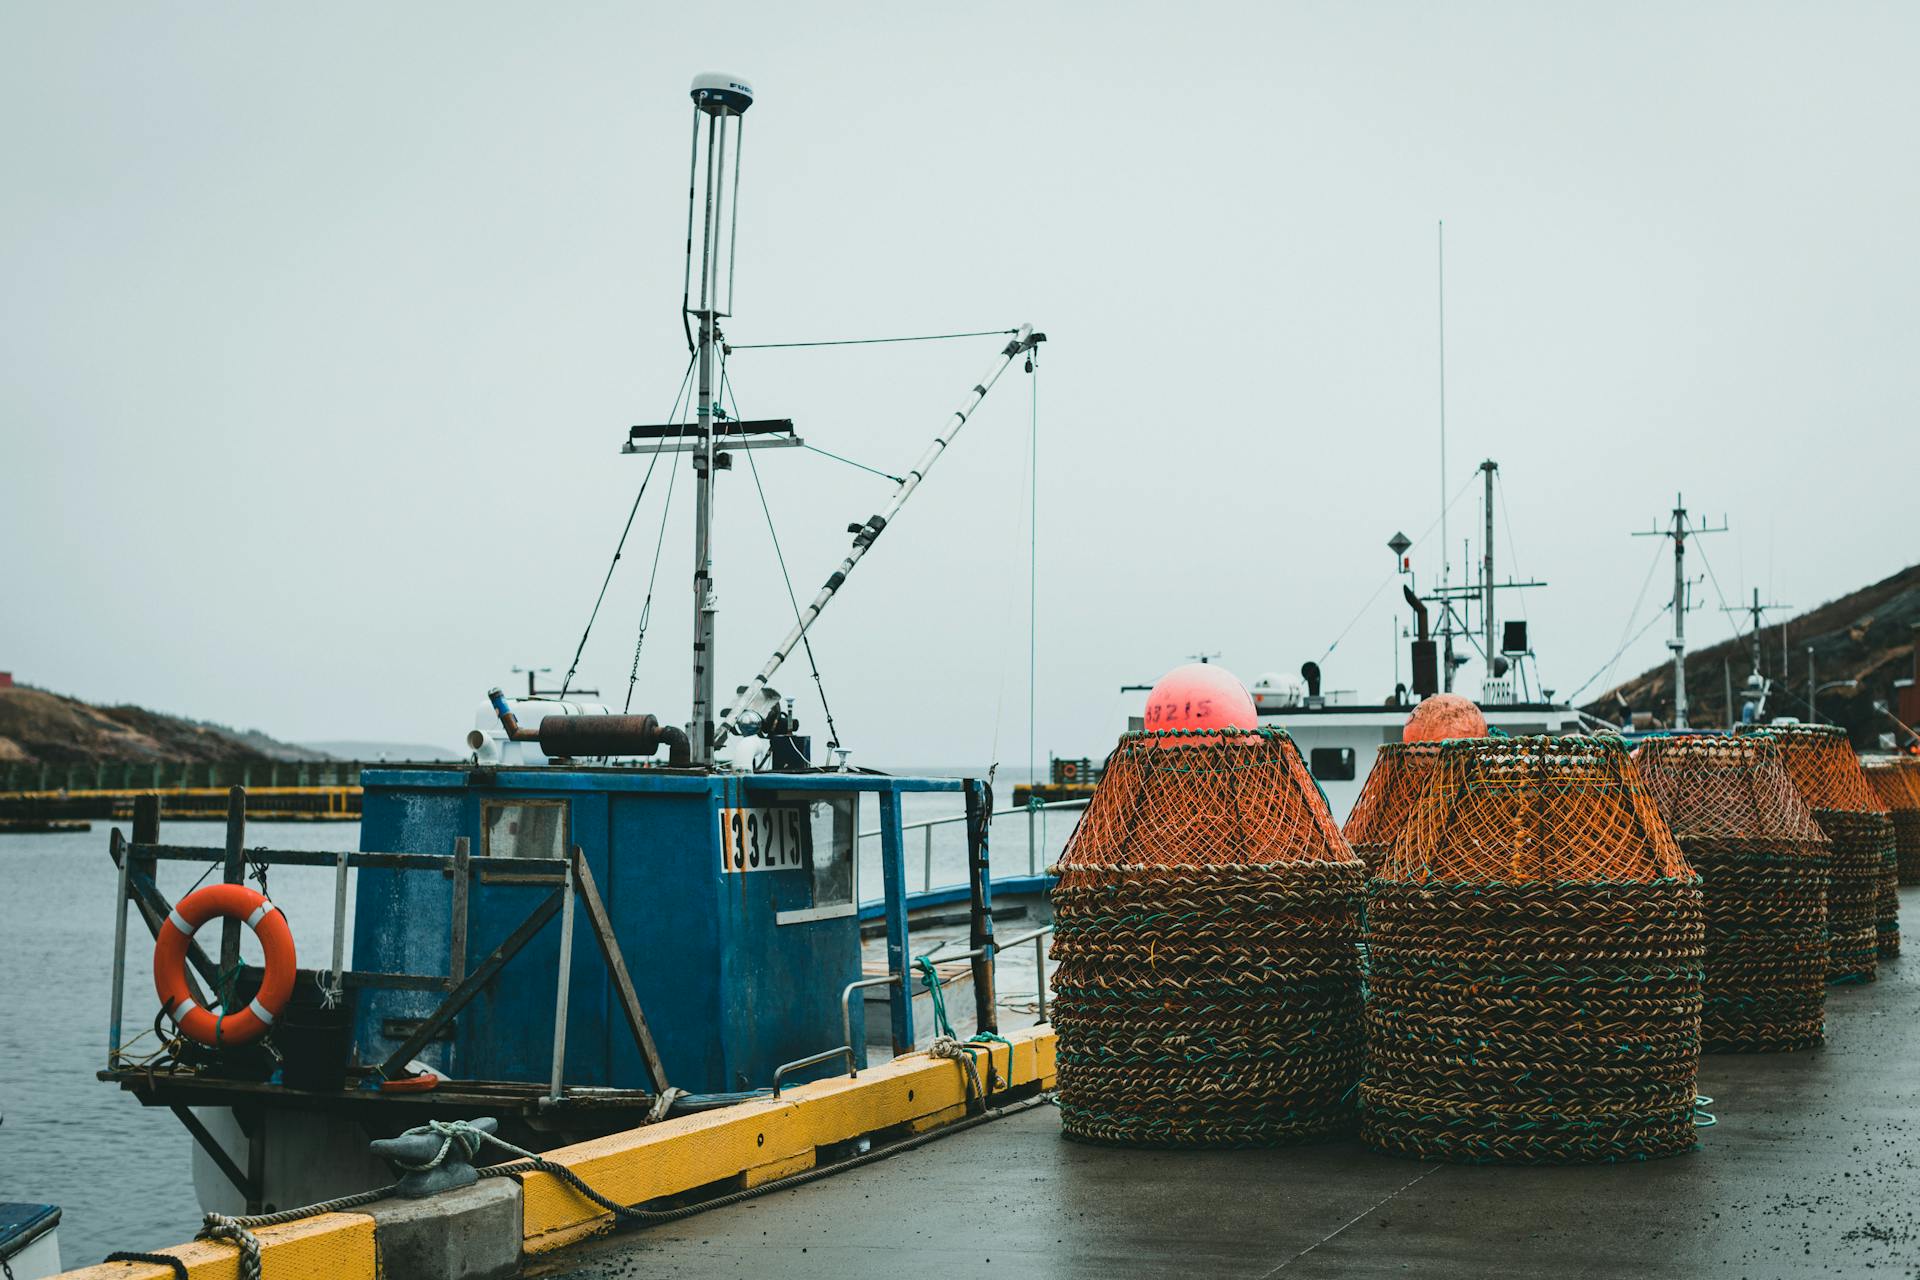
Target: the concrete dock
(1813, 1169)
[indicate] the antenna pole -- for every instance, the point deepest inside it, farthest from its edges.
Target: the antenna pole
(1679, 642)
(1487, 470)
(1446, 614)
(756, 696)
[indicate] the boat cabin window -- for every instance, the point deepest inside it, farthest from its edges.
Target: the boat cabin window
(819, 838)
(830, 853)
(523, 829)
(1332, 764)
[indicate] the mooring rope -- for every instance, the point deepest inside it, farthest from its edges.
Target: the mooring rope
(237, 1230)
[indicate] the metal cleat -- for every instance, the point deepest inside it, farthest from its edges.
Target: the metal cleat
(436, 1157)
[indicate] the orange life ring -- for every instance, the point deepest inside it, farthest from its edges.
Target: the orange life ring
(269, 924)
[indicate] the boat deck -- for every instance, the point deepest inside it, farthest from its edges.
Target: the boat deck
(1812, 1170)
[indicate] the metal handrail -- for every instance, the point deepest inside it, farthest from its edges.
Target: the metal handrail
(811, 1060)
(926, 826)
(846, 1029)
(961, 817)
(846, 1013)
(1039, 960)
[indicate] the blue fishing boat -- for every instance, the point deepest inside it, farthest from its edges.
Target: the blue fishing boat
(599, 919)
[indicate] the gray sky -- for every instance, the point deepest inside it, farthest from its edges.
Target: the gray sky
(320, 327)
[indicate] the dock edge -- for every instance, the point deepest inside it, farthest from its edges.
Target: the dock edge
(720, 1151)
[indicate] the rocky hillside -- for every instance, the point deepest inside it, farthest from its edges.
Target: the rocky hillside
(42, 726)
(1867, 637)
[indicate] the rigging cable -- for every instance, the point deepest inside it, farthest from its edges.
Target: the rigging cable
(1033, 576)
(867, 342)
(620, 546)
(646, 607)
(1658, 614)
(1000, 689)
(833, 732)
(1724, 608)
(860, 466)
(1362, 611)
(1625, 626)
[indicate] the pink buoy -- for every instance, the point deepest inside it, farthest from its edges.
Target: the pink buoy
(1200, 696)
(1443, 716)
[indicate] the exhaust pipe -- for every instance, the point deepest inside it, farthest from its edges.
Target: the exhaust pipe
(641, 735)
(613, 736)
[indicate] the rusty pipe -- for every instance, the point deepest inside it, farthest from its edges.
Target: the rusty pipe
(641, 735)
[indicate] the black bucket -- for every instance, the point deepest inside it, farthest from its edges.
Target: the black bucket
(315, 1044)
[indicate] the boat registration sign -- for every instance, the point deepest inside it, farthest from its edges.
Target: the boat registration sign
(763, 839)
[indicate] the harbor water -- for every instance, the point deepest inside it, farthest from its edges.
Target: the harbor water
(122, 1172)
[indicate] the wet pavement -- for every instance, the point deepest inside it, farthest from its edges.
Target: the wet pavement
(1813, 1169)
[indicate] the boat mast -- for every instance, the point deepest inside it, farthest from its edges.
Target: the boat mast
(1679, 530)
(721, 98)
(1487, 470)
(1446, 610)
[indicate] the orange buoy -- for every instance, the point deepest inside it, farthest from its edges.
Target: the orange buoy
(226, 902)
(1443, 716)
(1200, 696)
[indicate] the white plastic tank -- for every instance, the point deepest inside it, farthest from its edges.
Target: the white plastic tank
(1275, 692)
(488, 740)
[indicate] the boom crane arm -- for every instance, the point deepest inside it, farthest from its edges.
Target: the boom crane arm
(757, 697)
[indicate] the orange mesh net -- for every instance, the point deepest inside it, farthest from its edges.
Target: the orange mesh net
(1398, 780)
(1863, 897)
(1821, 762)
(1549, 808)
(1895, 782)
(1720, 788)
(1763, 868)
(1200, 797)
(1207, 929)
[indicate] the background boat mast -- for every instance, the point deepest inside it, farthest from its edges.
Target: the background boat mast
(1679, 530)
(1487, 470)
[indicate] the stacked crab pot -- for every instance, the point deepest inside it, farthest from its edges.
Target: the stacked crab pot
(1897, 782)
(1536, 948)
(1206, 925)
(1401, 772)
(1863, 896)
(1762, 863)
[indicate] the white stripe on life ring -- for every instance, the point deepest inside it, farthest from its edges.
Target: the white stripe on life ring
(181, 1009)
(179, 922)
(259, 914)
(259, 1011)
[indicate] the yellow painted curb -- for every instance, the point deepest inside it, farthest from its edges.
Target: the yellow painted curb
(738, 1146)
(758, 1141)
(332, 1246)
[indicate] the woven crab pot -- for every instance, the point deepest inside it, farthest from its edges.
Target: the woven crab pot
(1206, 924)
(1399, 778)
(1762, 863)
(1897, 782)
(1863, 895)
(1537, 950)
